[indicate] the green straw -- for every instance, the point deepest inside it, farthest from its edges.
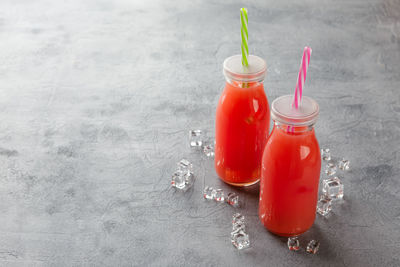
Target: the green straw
(245, 36)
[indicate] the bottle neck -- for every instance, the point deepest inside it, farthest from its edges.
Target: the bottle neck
(293, 129)
(241, 84)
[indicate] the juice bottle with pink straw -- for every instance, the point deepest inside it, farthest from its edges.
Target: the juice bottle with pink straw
(291, 163)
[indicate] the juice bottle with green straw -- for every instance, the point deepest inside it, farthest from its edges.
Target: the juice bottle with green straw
(242, 118)
(291, 163)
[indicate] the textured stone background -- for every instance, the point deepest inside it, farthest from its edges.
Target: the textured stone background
(96, 98)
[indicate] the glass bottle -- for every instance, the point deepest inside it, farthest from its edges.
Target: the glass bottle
(242, 122)
(290, 168)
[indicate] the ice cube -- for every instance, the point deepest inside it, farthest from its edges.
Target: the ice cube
(293, 243)
(344, 164)
(240, 240)
(330, 169)
(178, 179)
(185, 166)
(219, 195)
(233, 199)
(208, 192)
(195, 138)
(238, 226)
(182, 180)
(208, 150)
(312, 247)
(237, 218)
(324, 205)
(326, 154)
(333, 188)
(189, 180)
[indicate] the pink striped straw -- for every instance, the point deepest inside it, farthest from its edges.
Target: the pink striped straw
(301, 79)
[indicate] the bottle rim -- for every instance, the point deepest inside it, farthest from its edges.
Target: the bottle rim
(254, 72)
(283, 112)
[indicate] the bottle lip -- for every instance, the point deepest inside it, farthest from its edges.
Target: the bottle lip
(283, 112)
(254, 72)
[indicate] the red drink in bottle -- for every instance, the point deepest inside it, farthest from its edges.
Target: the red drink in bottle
(290, 168)
(242, 122)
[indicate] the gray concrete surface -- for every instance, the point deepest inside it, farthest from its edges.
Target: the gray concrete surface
(96, 98)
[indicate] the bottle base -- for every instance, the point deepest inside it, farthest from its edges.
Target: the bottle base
(242, 184)
(286, 234)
